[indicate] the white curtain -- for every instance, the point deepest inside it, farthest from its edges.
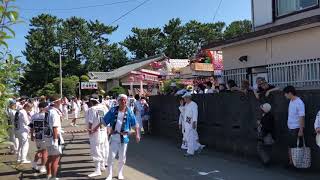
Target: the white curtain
(286, 6)
(289, 6)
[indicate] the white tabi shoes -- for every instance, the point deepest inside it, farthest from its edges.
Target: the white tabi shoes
(94, 174)
(120, 176)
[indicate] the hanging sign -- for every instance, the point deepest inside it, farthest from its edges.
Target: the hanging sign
(89, 85)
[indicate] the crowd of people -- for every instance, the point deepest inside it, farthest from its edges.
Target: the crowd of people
(109, 123)
(260, 90)
(265, 125)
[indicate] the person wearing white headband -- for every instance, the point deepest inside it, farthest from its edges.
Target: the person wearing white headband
(121, 119)
(53, 137)
(99, 145)
(190, 116)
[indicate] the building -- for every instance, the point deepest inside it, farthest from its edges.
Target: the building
(283, 47)
(139, 76)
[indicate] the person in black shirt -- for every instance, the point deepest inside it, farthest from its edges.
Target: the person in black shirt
(265, 130)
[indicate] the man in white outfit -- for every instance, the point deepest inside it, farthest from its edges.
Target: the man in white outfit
(98, 138)
(191, 119)
(75, 111)
(22, 132)
(121, 119)
(53, 136)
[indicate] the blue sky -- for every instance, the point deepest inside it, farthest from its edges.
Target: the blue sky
(154, 13)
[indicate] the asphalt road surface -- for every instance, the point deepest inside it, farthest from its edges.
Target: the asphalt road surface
(154, 158)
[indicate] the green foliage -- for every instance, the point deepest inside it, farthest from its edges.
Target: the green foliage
(48, 90)
(9, 65)
(84, 78)
(237, 28)
(167, 83)
(174, 39)
(85, 47)
(115, 91)
(144, 42)
(69, 85)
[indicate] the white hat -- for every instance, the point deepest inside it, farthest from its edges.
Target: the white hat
(122, 96)
(318, 139)
(187, 94)
(266, 107)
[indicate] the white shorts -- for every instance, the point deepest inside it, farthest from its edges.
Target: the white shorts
(41, 145)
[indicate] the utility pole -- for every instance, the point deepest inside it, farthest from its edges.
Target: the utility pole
(60, 64)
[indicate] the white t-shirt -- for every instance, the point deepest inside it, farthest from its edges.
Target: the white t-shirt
(55, 118)
(95, 114)
(208, 91)
(295, 111)
(24, 121)
(119, 121)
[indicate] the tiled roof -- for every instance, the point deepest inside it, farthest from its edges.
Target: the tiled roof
(122, 71)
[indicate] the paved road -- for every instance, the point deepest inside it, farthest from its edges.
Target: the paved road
(155, 158)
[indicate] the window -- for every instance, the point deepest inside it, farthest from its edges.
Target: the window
(285, 7)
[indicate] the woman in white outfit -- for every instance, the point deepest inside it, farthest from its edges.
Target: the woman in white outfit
(22, 132)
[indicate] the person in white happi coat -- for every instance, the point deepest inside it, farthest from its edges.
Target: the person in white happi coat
(11, 112)
(191, 119)
(99, 138)
(138, 108)
(182, 125)
(75, 111)
(22, 130)
(121, 119)
(65, 104)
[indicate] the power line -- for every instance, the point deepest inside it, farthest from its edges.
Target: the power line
(215, 15)
(81, 7)
(125, 14)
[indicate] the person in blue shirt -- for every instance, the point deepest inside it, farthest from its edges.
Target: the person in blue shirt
(121, 119)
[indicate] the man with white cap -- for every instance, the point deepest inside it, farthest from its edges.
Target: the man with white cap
(191, 119)
(98, 139)
(121, 120)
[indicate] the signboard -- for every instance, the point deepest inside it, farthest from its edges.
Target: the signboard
(202, 67)
(89, 85)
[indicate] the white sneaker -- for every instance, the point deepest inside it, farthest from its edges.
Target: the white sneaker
(54, 178)
(43, 169)
(120, 176)
(25, 162)
(75, 125)
(71, 124)
(94, 174)
(34, 166)
(183, 146)
(49, 177)
(109, 178)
